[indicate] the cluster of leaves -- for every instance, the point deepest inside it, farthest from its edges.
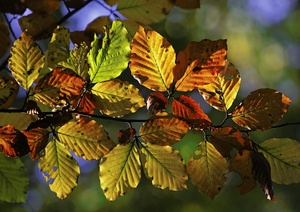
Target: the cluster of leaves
(67, 89)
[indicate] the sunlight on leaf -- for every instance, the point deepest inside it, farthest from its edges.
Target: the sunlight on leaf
(117, 98)
(14, 180)
(261, 109)
(86, 138)
(120, 171)
(4, 37)
(164, 166)
(208, 172)
(8, 91)
(221, 93)
(26, 60)
(109, 61)
(284, 158)
(59, 168)
(152, 60)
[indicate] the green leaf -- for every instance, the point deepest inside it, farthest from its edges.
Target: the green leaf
(19, 120)
(120, 171)
(284, 158)
(86, 138)
(109, 61)
(13, 180)
(8, 91)
(207, 173)
(26, 60)
(59, 168)
(164, 166)
(117, 98)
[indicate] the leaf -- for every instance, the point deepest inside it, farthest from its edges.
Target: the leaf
(261, 109)
(199, 64)
(262, 173)
(58, 48)
(14, 180)
(120, 171)
(42, 6)
(143, 11)
(117, 98)
(187, 4)
(226, 139)
(208, 172)
(157, 101)
(152, 60)
(242, 164)
(58, 87)
(59, 168)
(283, 156)
(96, 26)
(112, 59)
(86, 138)
(12, 142)
(111, 2)
(12, 6)
(164, 166)
(75, 4)
(163, 129)
(221, 93)
(125, 136)
(8, 91)
(39, 26)
(85, 103)
(26, 60)
(186, 108)
(4, 37)
(19, 120)
(37, 141)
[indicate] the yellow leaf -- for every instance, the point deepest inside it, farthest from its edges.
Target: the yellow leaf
(117, 98)
(8, 91)
(59, 168)
(207, 173)
(5, 38)
(120, 171)
(86, 138)
(221, 93)
(152, 60)
(261, 109)
(164, 166)
(26, 60)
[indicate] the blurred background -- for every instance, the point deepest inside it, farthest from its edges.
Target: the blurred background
(263, 38)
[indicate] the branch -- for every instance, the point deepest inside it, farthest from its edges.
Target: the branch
(276, 126)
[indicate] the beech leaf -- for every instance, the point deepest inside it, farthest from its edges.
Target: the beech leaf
(157, 101)
(187, 4)
(43, 6)
(19, 120)
(4, 37)
(8, 91)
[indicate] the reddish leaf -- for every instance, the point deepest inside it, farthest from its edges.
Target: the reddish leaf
(125, 136)
(85, 103)
(188, 109)
(37, 141)
(12, 142)
(157, 101)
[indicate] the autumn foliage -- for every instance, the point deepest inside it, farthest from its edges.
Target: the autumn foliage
(69, 92)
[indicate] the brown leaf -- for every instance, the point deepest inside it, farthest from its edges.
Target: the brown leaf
(5, 38)
(85, 103)
(75, 4)
(39, 26)
(188, 109)
(96, 26)
(125, 136)
(12, 142)
(12, 6)
(8, 91)
(187, 4)
(157, 101)
(111, 2)
(78, 37)
(42, 6)
(37, 141)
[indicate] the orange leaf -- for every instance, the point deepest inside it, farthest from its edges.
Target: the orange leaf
(12, 142)
(186, 108)
(85, 103)
(157, 101)
(261, 109)
(125, 136)
(37, 141)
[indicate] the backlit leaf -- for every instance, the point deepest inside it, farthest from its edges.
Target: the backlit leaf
(242, 164)
(58, 48)
(42, 6)
(19, 120)
(261, 109)
(84, 103)
(4, 37)
(157, 101)
(117, 98)
(221, 93)
(188, 4)
(152, 60)
(58, 87)
(12, 142)
(144, 11)
(120, 171)
(59, 168)
(8, 91)
(163, 129)
(26, 60)
(208, 171)
(86, 138)
(13, 181)
(37, 141)
(39, 26)
(199, 64)
(109, 61)
(283, 156)
(125, 136)
(188, 109)
(164, 166)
